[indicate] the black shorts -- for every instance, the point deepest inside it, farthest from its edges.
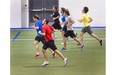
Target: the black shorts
(57, 25)
(70, 33)
(64, 28)
(50, 44)
(40, 38)
(87, 29)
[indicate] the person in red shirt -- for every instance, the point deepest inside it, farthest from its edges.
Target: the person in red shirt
(47, 31)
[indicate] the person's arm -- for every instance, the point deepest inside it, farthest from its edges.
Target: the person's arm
(56, 17)
(35, 27)
(65, 23)
(43, 21)
(80, 20)
(43, 32)
(90, 20)
(53, 30)
(72, 22)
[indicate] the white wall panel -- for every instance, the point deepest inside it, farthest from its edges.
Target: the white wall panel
(96, 7)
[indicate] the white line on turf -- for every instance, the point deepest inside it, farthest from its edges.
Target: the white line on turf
(61, 39)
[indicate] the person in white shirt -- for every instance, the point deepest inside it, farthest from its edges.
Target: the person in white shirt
(70, 32)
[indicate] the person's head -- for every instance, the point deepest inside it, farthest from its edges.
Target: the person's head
(85, 10)
(66, 12)
(62, 10)
(55, 7)
(35, 17)
(45, 21)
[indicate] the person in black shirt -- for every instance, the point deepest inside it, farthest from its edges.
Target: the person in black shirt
(56, 16)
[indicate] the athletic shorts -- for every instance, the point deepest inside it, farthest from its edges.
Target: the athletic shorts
(64, 28)
(70, 33)
(40, 38)
(87, 29)
(50, 44)
(57, 25)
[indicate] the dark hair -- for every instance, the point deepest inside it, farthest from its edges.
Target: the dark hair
(47, 21)
(67, 12)
(85, 9)
(55, 6)
(36, 16)
(63, 9)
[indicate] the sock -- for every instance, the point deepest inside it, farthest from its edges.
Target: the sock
(37, 53)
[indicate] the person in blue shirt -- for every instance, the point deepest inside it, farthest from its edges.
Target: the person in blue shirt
(39, 37)
(63, 18)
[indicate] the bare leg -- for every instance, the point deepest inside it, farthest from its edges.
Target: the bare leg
(64, 39)
(60, 54)
(94, 36)
(51, 50)
(45, 55)
(53, 53)
(81, 36)
(36, 43)
(63, 34)
(75, 38)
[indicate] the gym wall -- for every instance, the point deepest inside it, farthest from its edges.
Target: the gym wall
(19, 13)
(96, 10)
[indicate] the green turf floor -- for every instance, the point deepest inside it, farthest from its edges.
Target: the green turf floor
(90, 61)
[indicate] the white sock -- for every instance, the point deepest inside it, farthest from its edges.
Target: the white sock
(37, 53)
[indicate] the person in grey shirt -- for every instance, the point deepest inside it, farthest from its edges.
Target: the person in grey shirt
(70, 32)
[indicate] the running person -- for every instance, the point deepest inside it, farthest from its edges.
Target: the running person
(47, 33)
(56, 16)
(39, 37)
(64, 29)
(53, 53)
(86, 19)
(70, 32)
(63, 19)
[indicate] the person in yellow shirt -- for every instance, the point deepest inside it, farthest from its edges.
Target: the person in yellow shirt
(86, 19)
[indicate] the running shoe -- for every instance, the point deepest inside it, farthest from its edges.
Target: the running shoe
(63, 49)
(82, 47)
(100, 42)
(65, 62)
(45, 63)
(37, 55)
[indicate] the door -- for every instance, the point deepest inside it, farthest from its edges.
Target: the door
(41, 7)
(48, 4)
